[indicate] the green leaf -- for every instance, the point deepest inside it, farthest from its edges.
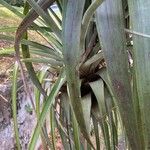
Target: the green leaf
(14, 105)
(48, 19)
(42, 53)
(86, 107)
(109, 19)
(71, 50)
(76, 132)
(66, 140)
(8, 29)
(103, 73)
(59, 4)
(11, 8)
(39, 46)
(68, 118)
(55, 15)
(52, 127)
(26, 54)
(7, 51)
(96, 131)
(42, 47)
(48, 104)
(64, 137)
(98, 90)
(86, 19)
(111, 119)
(42, 73)
(50, 61)
(139, 12)
(91, 62)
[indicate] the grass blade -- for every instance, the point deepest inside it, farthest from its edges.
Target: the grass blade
(7, 51)
(52, 127)
(55, 15)
(48, 19)
(48, 104)
(96, 131)
(50, 61)
(33, 44)
(37, 93)
(8, 29)
(14, 105)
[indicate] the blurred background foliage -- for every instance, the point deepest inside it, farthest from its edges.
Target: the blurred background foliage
(15, 2)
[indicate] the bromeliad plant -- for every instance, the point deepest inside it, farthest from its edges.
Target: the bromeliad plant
(98, 95)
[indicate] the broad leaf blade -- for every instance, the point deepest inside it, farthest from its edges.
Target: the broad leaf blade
(71, 31)
(139, 11)
(86, 107)
(109, 20)
(76, 132)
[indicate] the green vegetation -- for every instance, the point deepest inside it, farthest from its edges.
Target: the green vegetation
(8, 24)
(7, 18)
(15, 2)
(97, 96)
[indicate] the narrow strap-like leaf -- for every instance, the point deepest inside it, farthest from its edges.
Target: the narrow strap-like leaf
(48, 104)
(111, 119)
(52, 127)
(48, 19)
(98, 90)
(76, 133)
(86, 19)
(27, 21)
(14, 105)
(96, 131)
(50, 61)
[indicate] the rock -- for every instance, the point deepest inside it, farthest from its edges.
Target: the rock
(5, 109)
(26, 121)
